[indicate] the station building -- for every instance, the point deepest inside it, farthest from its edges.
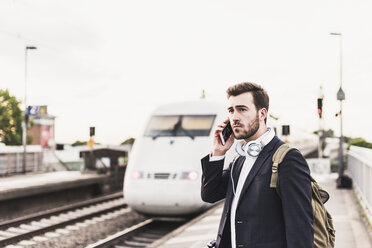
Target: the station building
(42, 129)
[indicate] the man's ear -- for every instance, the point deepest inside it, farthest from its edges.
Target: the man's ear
(263, 114)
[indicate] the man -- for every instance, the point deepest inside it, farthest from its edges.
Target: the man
(254, 215)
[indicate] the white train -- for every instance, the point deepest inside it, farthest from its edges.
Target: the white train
(163, 176)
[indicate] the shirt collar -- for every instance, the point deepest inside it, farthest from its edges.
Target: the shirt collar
(264, 139)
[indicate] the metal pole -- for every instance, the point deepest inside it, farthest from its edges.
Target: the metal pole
(24, 126)
(341, 158)
(340, 60)
(320, 132)
(341, 171)
(25, 122)
(341, 97)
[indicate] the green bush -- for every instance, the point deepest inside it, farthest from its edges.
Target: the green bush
(359, 142)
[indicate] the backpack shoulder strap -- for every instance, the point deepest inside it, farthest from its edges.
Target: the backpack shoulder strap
(278, 157)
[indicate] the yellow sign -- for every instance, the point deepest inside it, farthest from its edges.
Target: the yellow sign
(90, 143)
(43, 110)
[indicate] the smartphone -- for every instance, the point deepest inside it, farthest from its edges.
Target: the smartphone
(225, 133)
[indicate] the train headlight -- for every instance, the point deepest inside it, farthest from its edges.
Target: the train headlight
(189, 175)
(193, 175)
(137, 174)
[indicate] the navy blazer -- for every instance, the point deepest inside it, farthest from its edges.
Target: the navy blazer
(263, 219)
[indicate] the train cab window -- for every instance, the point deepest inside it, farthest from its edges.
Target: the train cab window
(180, 125)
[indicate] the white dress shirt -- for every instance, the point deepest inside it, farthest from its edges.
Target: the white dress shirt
(247, 166)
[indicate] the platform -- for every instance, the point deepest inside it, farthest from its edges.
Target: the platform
(31, 184)
(351, 231)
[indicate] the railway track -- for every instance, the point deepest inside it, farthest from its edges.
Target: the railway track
(138, 236)
(26, 227)
(151, 232)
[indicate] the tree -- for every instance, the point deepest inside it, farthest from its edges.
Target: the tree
(129, 141)
(330, 134)
(79, 143)
(11, 118)
(83, 143)
(325, 133)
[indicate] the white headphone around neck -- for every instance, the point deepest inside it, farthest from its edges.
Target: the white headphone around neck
(254, 147)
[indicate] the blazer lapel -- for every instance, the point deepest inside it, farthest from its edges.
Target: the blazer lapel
(235, 175)
(265, 153)
(237, 169)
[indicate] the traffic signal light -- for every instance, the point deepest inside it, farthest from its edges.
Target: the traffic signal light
(320, 107)
(285, 130)
(91, 131)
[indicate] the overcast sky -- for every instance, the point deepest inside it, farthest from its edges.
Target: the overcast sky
(108, 64)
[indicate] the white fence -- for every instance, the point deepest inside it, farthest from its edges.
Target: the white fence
(11, 159)
(360, 167)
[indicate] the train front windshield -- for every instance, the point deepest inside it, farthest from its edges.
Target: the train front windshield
(179, 125)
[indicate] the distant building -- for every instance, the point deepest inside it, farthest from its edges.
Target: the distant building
(42, 129)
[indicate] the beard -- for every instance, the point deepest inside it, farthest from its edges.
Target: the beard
(248, 131)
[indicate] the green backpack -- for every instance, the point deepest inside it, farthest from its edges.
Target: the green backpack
(324, 233)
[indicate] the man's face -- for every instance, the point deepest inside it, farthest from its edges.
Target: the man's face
(243, 115)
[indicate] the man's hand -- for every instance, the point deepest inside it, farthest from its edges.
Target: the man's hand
(218, 148)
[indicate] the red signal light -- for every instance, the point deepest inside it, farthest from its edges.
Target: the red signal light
(320, 107)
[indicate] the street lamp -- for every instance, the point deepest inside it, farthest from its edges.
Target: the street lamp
(340, 97)
(25, 122)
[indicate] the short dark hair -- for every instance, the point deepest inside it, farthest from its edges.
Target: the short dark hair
(260, 96)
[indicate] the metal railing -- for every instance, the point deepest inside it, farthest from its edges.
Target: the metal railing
(360, 167)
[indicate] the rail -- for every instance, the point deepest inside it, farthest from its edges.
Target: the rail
(360, 167)
(118, 237)
(26, 227)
